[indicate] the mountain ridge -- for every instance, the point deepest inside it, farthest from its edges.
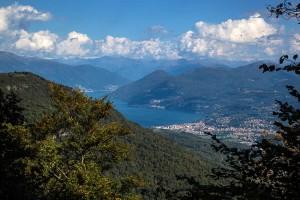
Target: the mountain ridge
(135, 69)
(215, 90)
(155, 158)
(86, 76)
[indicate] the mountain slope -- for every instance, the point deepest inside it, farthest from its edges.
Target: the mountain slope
(86, 76)
(155, 158)
(145, 86)
(210, 90)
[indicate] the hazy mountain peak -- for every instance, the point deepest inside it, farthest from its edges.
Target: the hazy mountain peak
(85, 75)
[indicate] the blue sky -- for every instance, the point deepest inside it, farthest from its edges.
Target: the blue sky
(159, 29)
(132, 18)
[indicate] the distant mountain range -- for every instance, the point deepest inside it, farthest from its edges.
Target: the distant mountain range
(84, 76)
(101, 73)
(208, 86)
(135, 69)
(220, 90)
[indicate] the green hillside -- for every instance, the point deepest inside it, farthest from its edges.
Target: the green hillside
(210, 91)
(154, 158)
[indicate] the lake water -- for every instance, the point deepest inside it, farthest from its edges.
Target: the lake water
(147, 116)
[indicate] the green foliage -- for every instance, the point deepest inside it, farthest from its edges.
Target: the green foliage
(11, 146)
(269, 169)
(33, 91)
(10, 112)
(66, 153)
(153, 158)
(158, 161)
(72, 149)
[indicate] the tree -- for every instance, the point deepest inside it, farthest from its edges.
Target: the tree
(11, 146)
(286, 9)
(74, 147)
(270, 169)
(67, 153)
(10, 111)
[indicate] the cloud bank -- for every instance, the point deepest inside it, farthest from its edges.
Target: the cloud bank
(245, 39)
(234, 39)
(239, 31)
(153, 48)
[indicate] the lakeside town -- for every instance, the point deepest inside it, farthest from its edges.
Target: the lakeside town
(246, 133)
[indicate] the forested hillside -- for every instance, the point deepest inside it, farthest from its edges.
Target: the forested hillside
(243, 90)
(154, 158)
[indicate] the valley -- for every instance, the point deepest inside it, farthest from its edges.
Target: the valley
(149, 100)
(185, 96)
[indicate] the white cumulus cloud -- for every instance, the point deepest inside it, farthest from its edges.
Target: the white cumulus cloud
(16, 17)
(157, 49)
(121, 46)
(38, 41)
(242, 30)
(74, 45)
(234, 39)
(115, 46)
(244, 39)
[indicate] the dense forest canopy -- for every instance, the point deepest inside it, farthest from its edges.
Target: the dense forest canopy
(65, 154)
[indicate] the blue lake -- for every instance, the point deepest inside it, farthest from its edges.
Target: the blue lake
(147, 116)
